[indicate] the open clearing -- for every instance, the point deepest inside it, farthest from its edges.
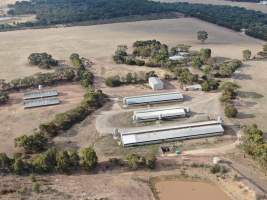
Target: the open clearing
(251, 6)
(99, 42)
(16, 121)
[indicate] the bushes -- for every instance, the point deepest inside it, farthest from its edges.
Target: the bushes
(88, 158)
(113, 81)
(185, 76)
(3, 97)
(230, 111)
(43, 60)
(32, 143)
(218, 169)
(136, 161)
(209, 85)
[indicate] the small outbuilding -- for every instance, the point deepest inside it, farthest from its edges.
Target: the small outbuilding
(196, 87)
(155, 83)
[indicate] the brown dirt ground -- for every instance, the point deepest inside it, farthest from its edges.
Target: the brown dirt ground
(16, 121)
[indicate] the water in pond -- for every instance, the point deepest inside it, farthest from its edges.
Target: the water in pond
(189, 190)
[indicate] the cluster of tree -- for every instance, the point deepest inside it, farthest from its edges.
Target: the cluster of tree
(201, 58)
(85, 76)
(246, 54)
(51, 78)
(210, 85)
(130, 78)
(202, 36)
(136, 161)
(43, 60)
(227, 69)
(50, 161)
(229, 93)
(254, 144)
(3, 97)
(185, 76)
(68, 11)
(121, 57)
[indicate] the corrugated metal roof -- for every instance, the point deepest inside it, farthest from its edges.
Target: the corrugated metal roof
(153, 98)
(154, 80)
(192, 130)
(154, 114)
(40, 94)
(41, 102)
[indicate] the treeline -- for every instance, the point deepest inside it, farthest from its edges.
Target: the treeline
(50, 161)
(51, 78)
(129, 78)
(255, 145)
(67, 11)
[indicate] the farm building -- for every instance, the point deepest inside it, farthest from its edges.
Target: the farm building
(40, 94)
(41, 102)
(155, 83)
(153, 98)
(177, 58)
(192, 87)
(152, 135)
(159, 114)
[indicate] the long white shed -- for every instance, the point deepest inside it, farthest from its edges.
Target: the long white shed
(159, 114)
(153, 135)
(153, 98)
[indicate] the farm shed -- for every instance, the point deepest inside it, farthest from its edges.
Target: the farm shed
(41, 102)
(152, 135)
(155, 83)
(153, 98)
(177, 57)
(192, 87)
(160, 113)
(40, 94)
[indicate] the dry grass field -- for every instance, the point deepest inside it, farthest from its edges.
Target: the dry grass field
(99, 42)
(16, 121)
(251, 6)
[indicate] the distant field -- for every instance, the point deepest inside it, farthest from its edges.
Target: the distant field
(99, 42)
(252, 6)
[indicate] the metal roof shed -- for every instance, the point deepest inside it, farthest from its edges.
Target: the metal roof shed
(134, 137)
(40, 94)
(160, 113)
(153, 98)
(155, 83)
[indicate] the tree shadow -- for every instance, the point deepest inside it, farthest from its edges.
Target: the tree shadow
(168, 85)
(242, 115)
(243, 77)
(245, 94)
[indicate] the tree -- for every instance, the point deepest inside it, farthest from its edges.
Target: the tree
(63, 161)
(135, 161)
(32, 143)
(205, 54)
(246, 54)
(265, 47)
(5, 163)
(88, 158)
(197, 62)
(45, 162)
(19, 166)
(113, 81)
(230, 111)
(151, 161)
(3, 97)
(74, 159)
(202, 36)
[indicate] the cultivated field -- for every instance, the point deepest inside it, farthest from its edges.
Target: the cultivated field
(251, 6)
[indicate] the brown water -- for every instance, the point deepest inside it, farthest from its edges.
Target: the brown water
(189, 190)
